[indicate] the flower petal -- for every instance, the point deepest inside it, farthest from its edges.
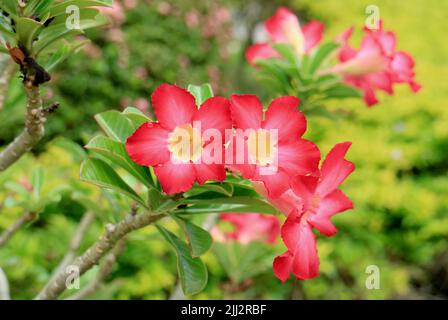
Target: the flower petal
(380, 80)
(276, 184)
(304, 187)
(237, 158)
(250, 227)
(301, 242)
(148, 145)
(214, 114)
(333, 203)
(283, 20)
(173, 106)
(282, 266)
(205, 172)
(403, 70)
(283, 115)
(335, 169)
(260, 51)
(299, 157)
(369, 97)
(175, 177)
(246, 111)
(313, 32)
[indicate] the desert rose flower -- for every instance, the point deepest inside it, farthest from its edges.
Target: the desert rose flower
(321, 199)
(284, 27)
(272, 147)
(179, 151)
(249, 227)
(376, 65)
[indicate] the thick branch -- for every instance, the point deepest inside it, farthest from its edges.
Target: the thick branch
(4, 286)
(34, 127)
(75, 242)
(104, 271)
(8, 233)
(6, 72)
(100, 248)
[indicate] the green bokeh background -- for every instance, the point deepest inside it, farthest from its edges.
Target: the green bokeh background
(400, 148)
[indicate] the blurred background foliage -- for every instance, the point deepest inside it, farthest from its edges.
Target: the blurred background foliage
(400, 148)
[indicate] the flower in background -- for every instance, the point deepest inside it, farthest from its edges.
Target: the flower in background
(157, 143)
(115, 12)
(284, 27)
(376, 65)
(287, 153)
(249, 227)
(320, 200)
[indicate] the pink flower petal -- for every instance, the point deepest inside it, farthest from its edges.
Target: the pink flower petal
(282, 266)
(335, 169)
(148, 145)
(173, 106)
(276, 184)
(313, 32)
(282, 20)
(283, 115)
(333, 203)
(205, 172)
(260, 51)
(301, 242)
(175, 177)
(246, 111)
(299, 157)
(214, 114)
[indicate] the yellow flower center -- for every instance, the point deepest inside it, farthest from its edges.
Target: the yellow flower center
(295, 36)
(185, 143)
(262, 147)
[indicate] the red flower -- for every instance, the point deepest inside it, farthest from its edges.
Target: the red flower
(250, 227)
(273, 149)
(162, 144)
(284, 27)
(321, 199)
(376, 65)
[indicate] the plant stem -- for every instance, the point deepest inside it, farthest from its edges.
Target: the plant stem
(8, 233)
(104, 271)
(6, 72)
(98, 250)
(33, 131)
(78, 236)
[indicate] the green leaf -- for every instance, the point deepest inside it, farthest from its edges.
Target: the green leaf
(341, 91)
(224, 188)
(60, 8)
(201, 93)
(320, 55)
(51, 34)
(136, 116)
(116, 125)
(37, 180)
(199, 239)
(233, 204)
(63, 51)
(288, 53)
(42, 6)
(99, 173)
(55, 31)
(192, 271)
(26, 30)
(116, 153)
(10, 6)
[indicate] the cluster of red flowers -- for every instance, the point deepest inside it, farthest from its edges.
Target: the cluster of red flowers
(377, 65)
(306, 195)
